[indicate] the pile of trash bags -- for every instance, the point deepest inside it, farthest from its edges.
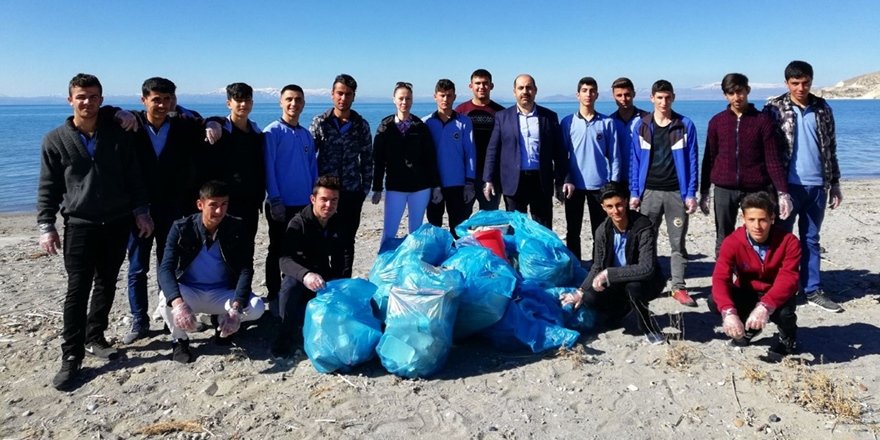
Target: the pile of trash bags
(501, 281)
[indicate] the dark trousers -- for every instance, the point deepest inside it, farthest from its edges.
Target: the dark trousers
(530, 197)
(348, 217)
(726, 207)
(293, 298)
(618, 299)
(250, 217)
(276, 246)
(139, 250)
(92, 254)
(453, 204)
(745, 300)
(574, 217)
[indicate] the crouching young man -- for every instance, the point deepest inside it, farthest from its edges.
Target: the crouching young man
(625, 272)
(765, 259)
(207, 268)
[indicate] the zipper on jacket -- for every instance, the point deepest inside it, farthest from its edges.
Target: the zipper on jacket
(738, 118)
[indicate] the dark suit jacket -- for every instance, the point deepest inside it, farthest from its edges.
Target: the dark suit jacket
(503, 152)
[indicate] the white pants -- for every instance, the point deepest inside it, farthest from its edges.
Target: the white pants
(415, 203)
(210, 302)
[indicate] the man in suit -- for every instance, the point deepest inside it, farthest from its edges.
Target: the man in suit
(526, 149)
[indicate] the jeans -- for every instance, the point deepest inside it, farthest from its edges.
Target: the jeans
(92, 253)
(139, 250)
(658, 205)
(276, 244)
(395, 202)
(745, 300)
(809, 208)
(574, 217)
(453, 204)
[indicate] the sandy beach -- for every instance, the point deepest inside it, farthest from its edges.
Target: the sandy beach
(611, 386)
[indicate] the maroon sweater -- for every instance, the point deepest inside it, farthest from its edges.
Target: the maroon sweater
(776, 278)
(747, 157)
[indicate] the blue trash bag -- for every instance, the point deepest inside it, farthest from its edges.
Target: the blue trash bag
(418, 328)
(382, 271)
(495, 218)
(534, 320)
(428, 243)
(489, 282)
(413, 274)
(582, 319)
(340, 330)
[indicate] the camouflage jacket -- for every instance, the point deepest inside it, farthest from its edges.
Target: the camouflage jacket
(781, 110)
(346, 154)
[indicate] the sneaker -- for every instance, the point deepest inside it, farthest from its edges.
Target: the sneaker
(655, 338)
(180, 351)
(782, 348)
(821, 300)
(102, 349)
(138, 331)
(280, 350)
(65, 378)
(682, 296)
(746, 339)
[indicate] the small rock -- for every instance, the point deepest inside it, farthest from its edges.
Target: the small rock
(773, 418)
(92, 406)
(211, 389)
(632, 387)
(738, 422)
(140, 369)
(629, 361)
(27, 413)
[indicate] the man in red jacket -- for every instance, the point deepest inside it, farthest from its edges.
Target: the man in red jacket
(765, 259)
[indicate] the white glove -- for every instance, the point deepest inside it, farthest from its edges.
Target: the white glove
(705, 203)
(600, 281)
(758, 318)
(50, 242)
(634, 203)
(575, 298)
(313, 281)
(144, 224)
(489, 191)
(785, 205)
(213, 132)
(690, 205)
(229, 323)
(126, 120)
(732, 325)
(183, 317)
(835, 197)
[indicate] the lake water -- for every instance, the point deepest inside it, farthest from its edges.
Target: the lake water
(22, 128)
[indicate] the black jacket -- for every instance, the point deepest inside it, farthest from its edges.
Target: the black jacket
(106, 188)
(238, 159)
(186, 239)
(309, 247)
(641, 252)
(408, 163)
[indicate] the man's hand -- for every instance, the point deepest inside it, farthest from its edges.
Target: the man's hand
(277, 210)
(601, 281)
(785, 205)
(560, 195)
(690, 205)
(144, 224)
(50, 242)
(377, 197)
(126, 120)
(213, 132)
(230, 322)
(758, 318)
(732, 325)
(567, 190)
(313, 282)
(705, 203)
(183, 316)
(634, 203)
(436, 195)
(835, 197)
(489, 191)
(575, 299)
(469, 193)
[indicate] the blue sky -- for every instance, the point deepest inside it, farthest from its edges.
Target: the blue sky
(202, 46)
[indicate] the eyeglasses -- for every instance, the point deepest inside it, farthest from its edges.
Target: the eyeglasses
(401, 84)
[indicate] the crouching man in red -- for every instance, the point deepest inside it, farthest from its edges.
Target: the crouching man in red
(764, 259)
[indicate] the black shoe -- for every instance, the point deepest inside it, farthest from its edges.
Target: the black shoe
(221, 341)
(782, 348)
(281, 349)
(821, 300)
(180, 351)
(102, 349)
(66, 377)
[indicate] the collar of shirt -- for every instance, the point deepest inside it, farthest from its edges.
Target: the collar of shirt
(760, 249)
(452, 117)
(160, 136)
(89, 142)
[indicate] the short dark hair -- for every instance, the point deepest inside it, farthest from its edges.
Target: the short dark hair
(292, 87)
(158, 85)
(587, 81)
(798, 69)
(214, 188)
(760, 200)
(444, 85)
(526, 75)
(481, 73)
(734, 82)
(84, 80)
(328, 182)
(346, 80)
(613, 189)
(239, 91)
(623, 83)
(661, 85)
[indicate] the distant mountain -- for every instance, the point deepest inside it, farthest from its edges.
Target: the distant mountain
(861, 87)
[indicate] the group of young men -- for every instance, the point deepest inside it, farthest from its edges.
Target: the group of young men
(123, 179)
